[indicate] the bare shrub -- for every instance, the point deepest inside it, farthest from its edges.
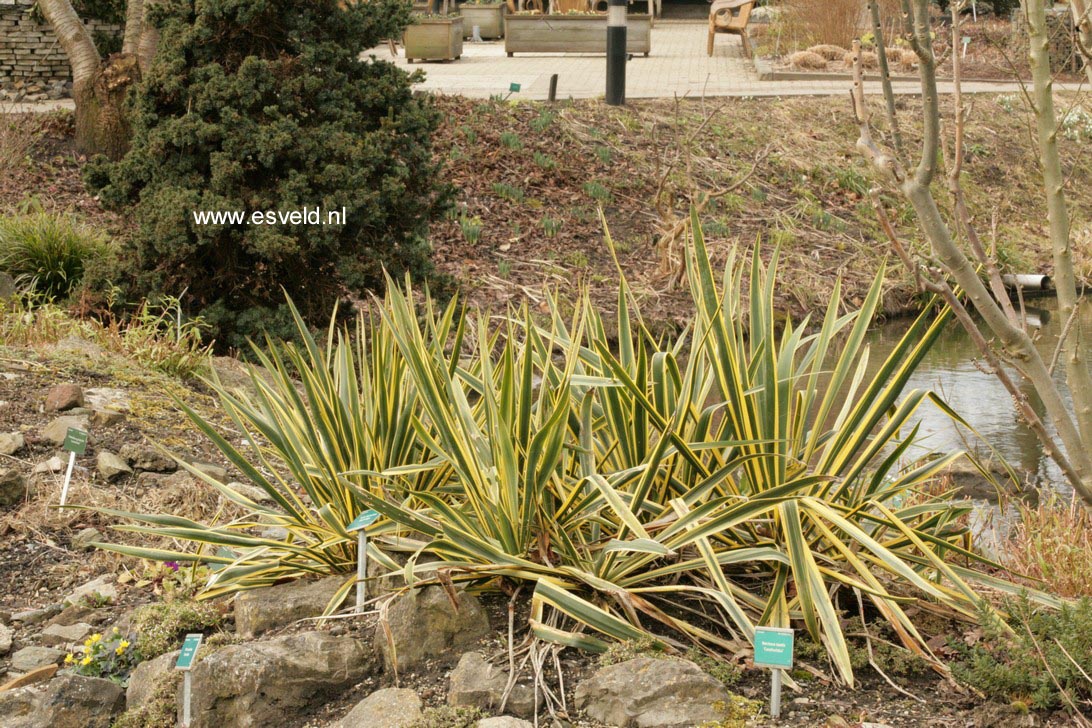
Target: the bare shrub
(829, 22)
(17, 134)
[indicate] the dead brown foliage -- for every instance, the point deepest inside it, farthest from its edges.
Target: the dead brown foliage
(807, 60)
(828, 22)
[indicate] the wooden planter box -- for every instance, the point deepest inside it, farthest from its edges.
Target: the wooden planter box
(488, 18)
(572, 34)
(434, 39)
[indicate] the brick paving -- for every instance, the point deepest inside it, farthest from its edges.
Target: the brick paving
(677, 66)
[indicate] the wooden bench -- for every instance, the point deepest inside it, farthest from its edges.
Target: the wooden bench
(731, 17)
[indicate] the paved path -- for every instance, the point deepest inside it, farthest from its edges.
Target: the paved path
(678, 66)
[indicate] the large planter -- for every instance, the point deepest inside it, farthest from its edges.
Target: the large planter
(572, 34)
(489, 19)
(434, 39)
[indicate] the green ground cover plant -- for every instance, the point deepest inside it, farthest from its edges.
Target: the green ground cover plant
(1041, 659)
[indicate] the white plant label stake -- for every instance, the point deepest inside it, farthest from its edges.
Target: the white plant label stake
(75, 442)
(185, 663)
(773, 649)
(360, 525)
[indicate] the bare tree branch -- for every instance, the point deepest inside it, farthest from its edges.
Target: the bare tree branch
(1069, 450)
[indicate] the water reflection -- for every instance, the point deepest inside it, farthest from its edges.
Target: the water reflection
(953, 370)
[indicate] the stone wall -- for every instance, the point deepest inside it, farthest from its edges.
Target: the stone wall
(33, 66)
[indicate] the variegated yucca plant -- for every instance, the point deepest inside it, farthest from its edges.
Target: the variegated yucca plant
(750, 471)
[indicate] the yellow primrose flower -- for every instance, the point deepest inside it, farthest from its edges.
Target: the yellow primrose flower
(69, 659)
(86, 660)
(121, 647)
(94, 638)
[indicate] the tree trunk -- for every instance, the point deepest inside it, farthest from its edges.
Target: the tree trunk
(102, 124)
(915, 186)
(98, 87)
(1077, 375)
(134, 26)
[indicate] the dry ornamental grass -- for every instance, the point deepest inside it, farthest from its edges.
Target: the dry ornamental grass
(1052, 543)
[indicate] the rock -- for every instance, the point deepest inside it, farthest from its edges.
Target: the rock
(68, 701)
(85, 537)
(252, 492)
(58, 634)
(64, 397)
(102, 587)
(35, 656)
(57, 430)
(647, 692)
(6, 635)
(75, 614)
(54, 465)
(11, 442)
(106, 418)
(13, 487)
(504, 721)
(423, 624)
(37, 675)
(476, 683)
(147, 458)
(276, 533)
(111, 466)
(79, 345)
(261, 610)
(31, 617)
(144, 679)
(108, 398)
(7, 286)
(261, 683)
(154, 480)
(213, 471)
(389, 707)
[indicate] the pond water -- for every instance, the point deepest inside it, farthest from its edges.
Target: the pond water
(953, 369)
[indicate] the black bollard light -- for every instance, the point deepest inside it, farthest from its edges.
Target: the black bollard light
(616, 52)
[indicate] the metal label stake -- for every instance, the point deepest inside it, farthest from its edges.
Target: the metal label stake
(773, 649)
(360, 524)
(185, 663)
(75, 442)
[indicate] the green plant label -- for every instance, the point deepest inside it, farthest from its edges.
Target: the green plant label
(189, 651)
(773, 647)
(514, 87)
(75, 441)
(362, 521)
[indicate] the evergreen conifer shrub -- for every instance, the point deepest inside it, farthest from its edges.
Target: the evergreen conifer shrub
(267, 105)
